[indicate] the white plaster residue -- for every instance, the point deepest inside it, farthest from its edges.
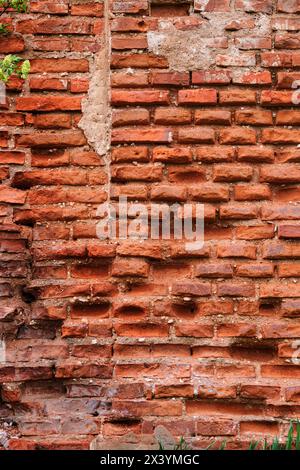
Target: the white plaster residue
(96, 119)
(155, 41)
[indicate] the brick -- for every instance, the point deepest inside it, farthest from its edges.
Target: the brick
(45, 139)
(124, 117)
(110, 318)
(254, 6)
(88, 9)
(220, 117)
(286, 79)
(172, 154)
(172, 116)
(280, 330)
(168, 193)
(196, 134)
(252, 192)
(280, 174)
(169, 391)
(260, 392)
(215, 154)
(210, 192)
(214, 270)
(255, 270)
(48, 103)
(256, 154)
(120, 97)
(12, 196)
(190, 288)
(279, 136)
(194, 97)
(288, 7)
(252, 78)
(231, 173)
(288, 231)
(125, 154)
(54, 26)
(170, 78)
(130, 267)
(237, 136)
(183, 175)
(254, 117)
(129, 24)
(59, 65)
(278, 250)
(288, 118)
(213, 77)
(280, 212)
(292, 394)
(253, 42)
(282, 23)
(156, 135)
(276, 98)
(197, 331)
(287, 40)
(279, 290)
(255, 232)
(141, 330)
(276, 59)
(237, 289)
(235, 97)
(211, 6)
(53, 84)
(143, 173)
(280, 371)
(237, 250)
(143, 61)
(223, 427)
(241, 60)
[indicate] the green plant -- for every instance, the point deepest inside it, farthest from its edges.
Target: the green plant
(12, 64)
(291, 443)
(17, 5)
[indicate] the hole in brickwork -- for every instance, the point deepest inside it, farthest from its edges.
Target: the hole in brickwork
(28, 295)
(129, 311)
(250, 354)
(41, 330)
(184, 310)
(253, 349)
(84, 309)
(269, 308)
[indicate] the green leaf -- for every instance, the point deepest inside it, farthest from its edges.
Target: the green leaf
(25, 69)
(4, 30)
(289, 442)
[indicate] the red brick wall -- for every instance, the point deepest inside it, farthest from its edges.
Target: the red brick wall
(105, 339)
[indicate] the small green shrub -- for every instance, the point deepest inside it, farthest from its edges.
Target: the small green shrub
(12, 64)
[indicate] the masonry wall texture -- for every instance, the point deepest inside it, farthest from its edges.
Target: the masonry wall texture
(189, 101)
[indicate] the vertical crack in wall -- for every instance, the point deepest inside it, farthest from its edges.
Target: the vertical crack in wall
(96, 112)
